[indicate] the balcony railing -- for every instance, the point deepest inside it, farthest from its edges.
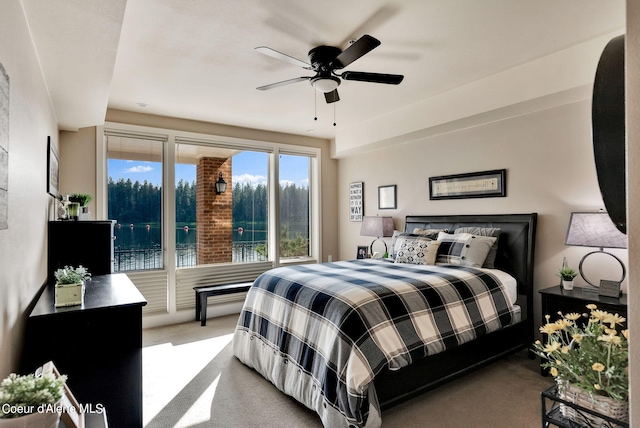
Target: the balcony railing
(129, 259)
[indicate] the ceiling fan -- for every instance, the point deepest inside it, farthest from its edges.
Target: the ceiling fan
(325, 60)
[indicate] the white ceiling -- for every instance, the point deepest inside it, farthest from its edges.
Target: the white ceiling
(195, 58)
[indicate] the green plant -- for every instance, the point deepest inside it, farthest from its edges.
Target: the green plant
(71, 275)
(593, 356)
(567, 273)
(23, 395)
(82, 198)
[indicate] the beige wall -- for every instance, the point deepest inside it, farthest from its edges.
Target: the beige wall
(78, 171)
(31, 119)
(550, 170)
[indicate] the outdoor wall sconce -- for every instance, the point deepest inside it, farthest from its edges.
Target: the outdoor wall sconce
(221, 185)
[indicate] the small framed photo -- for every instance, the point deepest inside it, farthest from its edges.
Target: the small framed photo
(362, 252)
(53, 170)
(387, 197)
(609, 288)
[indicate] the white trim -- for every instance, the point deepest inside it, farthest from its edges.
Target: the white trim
(101, 174)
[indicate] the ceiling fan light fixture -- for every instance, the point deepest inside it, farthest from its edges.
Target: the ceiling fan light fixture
(325, 84)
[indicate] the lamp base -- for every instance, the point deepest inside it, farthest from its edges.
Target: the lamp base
(595, 287)
(374, 241)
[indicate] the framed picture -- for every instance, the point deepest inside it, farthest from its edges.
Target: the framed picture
(356, 201)
(387, 197)
(485, 184)
(4, 148)
(53, 170)
(73, 416)
(609, 288)
(362, 252)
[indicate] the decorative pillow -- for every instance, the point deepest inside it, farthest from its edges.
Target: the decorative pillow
(453, 247)
(418, 252)
(477, 250)
(485, 231)
(404, 236)
(392, 251)
(431, 233)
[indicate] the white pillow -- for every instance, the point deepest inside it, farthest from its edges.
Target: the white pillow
(478, 250)
(418, 252)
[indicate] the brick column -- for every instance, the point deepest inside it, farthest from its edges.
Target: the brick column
(213, 212)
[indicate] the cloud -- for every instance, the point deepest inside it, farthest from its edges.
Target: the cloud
(139, 168)
(249, 178)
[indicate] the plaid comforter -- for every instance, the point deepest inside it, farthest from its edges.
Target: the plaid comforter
(321, 332)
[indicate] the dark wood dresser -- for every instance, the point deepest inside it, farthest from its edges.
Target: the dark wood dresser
(98, 345)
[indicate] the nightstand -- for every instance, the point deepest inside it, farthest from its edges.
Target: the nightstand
(555, 299)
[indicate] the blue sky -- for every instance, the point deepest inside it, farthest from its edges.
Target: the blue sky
(247, 167)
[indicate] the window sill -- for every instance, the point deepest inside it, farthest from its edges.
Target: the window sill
(297, 261)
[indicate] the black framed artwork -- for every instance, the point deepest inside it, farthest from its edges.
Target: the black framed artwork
(484, 184)
(387, 197)
(53, 170)
(356, 201)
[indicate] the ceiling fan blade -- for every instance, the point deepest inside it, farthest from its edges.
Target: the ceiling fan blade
(332, 97)
(390, 79)
(283, 83)
(283, 57)
(360, 47)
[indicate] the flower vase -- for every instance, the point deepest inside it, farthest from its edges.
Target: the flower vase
(606, 406)
(33, 420)
(567, 284)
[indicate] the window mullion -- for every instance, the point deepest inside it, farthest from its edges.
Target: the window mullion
(274, 207)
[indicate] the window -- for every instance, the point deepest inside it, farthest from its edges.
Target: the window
(134, 199)
(171, 238)
(294, 196)
(231, 227)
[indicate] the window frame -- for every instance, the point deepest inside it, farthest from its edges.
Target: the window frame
(274, 149)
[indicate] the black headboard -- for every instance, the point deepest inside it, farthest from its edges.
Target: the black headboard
(515, 245)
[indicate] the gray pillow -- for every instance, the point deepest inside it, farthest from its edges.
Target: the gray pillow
(485, 231)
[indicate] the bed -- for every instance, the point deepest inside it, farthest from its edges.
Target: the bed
(349, 339)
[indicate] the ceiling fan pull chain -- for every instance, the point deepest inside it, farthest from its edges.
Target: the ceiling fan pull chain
(315, 105)
(334, 114)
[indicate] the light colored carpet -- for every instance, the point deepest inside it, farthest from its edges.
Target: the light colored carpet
(192, 379)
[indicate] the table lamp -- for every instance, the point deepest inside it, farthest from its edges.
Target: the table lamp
(378, 227)
(595, 229)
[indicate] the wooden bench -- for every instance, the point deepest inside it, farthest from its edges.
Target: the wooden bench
(202, 293)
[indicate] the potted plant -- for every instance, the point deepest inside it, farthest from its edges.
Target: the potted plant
(588, 355)
(567, 275)
(69, 288)
(81, 198)
(30, 400)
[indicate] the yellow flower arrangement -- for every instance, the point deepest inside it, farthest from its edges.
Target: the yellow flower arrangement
(593, 355)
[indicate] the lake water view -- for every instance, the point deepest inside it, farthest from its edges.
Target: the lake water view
(139, 246)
